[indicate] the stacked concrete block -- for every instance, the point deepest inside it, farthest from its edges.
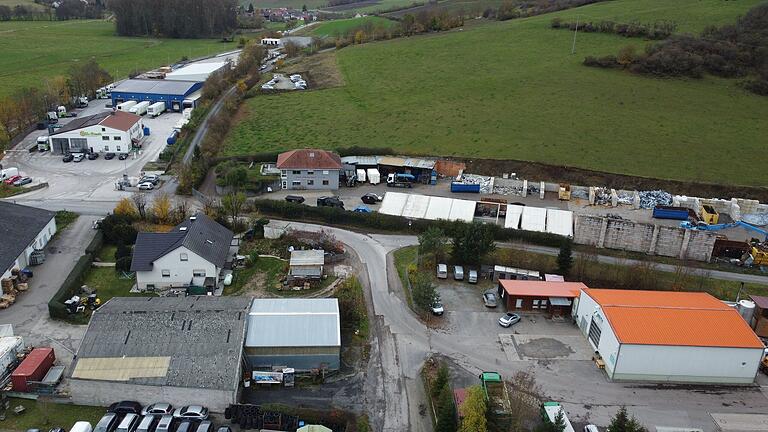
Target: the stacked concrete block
(587, 229)
(670, 241)
(700, 245)
(627, 235)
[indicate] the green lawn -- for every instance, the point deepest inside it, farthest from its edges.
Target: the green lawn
(109, 283)
(107, 253)
(403, 258)
(64, 219)
(34, 50)
(29, 4)
(340, 27)
(46, 415)
(512, 90)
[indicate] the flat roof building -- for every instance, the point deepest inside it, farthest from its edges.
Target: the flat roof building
(668, 336)
(554, 298)
(196, 71)
(302, 334)
(180, 350)
(177, 95)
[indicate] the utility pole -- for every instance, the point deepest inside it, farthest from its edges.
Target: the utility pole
(576, 30)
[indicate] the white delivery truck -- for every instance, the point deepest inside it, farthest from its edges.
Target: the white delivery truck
(156, 109)
(361, 175)
(8, 173)
(125, 106)
(374, 177)
(140, 108)
(549, 412)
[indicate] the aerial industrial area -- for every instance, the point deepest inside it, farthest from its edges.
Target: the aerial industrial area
(326, 221)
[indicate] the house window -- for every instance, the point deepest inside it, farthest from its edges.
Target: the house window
(535, 304)
(310, 182)
(326, 172)
(283, 174)
(117, 138)
(184, 257)
(296, 172)
(118, 148)
(198, 273)
(103, 129)
(310, 173)
(150, 287)
(166, 273)
(296, 183)
(106, 148)
(325, 182)
(104, 138)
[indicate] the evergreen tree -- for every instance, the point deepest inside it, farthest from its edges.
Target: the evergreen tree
(565, 258)
(446, 411)
(440, 381)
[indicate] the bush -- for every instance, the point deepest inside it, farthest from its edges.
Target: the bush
(123, 264)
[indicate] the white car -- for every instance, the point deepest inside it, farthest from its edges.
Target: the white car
(509, 319)
(295, 78)
(301, 83)
(267, 87)
(437, 307)
(146, 186)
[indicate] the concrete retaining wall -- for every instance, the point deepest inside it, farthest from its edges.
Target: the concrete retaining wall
(646, 238)
(103, 393)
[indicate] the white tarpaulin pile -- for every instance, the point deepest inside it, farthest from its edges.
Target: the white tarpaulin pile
(512, 219)
(560, 222)
(427, 207)
(534, 219)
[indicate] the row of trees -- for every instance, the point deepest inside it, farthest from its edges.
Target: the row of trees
(26, 106)
(511, 9)
(734, 50)
(174, 18)
(657, 30)
(426, 20)
(67, 9)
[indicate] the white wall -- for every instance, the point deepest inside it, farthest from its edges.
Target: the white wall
(39, 242)
(181, 271)
(688, 364)
(609, 344)
(94, 134)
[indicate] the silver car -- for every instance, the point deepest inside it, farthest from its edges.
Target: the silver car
(159, 409)
(191, 412)
(489, 299)
(509, 319)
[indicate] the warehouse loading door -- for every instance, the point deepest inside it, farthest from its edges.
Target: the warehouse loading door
(176, 106)
(595, 330)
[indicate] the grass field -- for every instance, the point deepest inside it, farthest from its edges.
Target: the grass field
(46, 415)
(34, 50)
(29, 4)
(512, 90)
(339, 27)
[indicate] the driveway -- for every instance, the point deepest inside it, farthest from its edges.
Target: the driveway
(29, 315)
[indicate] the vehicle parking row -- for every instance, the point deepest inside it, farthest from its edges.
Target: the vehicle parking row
(79, 157)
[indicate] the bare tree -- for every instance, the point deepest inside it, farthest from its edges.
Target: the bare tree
(140, 202)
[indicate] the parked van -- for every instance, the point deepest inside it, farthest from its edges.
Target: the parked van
(165, 424)
(458, 272)
(442, 271)
(81, 426)
(8, 173)
(472, 278)
(147, 424)
(156, 109)
(129, 423)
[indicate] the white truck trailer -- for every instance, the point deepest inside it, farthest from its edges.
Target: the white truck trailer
(140, 108)
(549, 412)
(126, 106)
(156, 109)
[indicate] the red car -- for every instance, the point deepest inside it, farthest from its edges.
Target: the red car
(10, 180)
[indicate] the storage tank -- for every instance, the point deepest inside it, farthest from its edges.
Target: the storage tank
(746, 309)
(9, 347)
(33, 368)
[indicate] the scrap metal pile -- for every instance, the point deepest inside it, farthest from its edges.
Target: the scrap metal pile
(653, 198)
(483, 181)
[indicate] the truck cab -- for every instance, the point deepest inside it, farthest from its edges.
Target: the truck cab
(400, 180)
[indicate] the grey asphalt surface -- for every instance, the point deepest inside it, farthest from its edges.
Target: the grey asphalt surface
(401, 343)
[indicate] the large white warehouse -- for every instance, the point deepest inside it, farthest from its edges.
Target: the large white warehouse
(668, 336)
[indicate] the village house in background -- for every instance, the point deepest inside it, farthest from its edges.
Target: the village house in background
(309, 169)
(192, 254)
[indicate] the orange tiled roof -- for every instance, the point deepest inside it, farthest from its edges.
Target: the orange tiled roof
(541, 288)
(673, 318)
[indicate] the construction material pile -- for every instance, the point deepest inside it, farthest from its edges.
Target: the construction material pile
(759, 219)
(653, 198)
(483, 181)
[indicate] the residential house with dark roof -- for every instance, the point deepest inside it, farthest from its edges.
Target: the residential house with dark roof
(193, 253)
(23, 231)
(108, 132)
(311, 169)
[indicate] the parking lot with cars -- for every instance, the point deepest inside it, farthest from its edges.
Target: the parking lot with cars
(76, 177)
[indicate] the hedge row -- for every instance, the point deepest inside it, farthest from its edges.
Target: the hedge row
(71, 285)
(399, 224)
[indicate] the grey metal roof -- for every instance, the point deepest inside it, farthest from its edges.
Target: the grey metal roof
(361, 160)
(155, 86)
(82, 122)
(293, 323)
(203, 236)
(420, 163)
(203, 336)
(19, 226)
(307, 257)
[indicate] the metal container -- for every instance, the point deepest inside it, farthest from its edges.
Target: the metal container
(33, 368)
(746, 309)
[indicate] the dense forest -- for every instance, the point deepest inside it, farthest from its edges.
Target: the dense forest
(174, 18)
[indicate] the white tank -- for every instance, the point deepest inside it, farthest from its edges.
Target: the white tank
(746, 308)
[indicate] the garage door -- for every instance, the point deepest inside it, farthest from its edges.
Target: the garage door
(594, 331)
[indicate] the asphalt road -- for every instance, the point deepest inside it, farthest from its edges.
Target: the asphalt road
(203, 129)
